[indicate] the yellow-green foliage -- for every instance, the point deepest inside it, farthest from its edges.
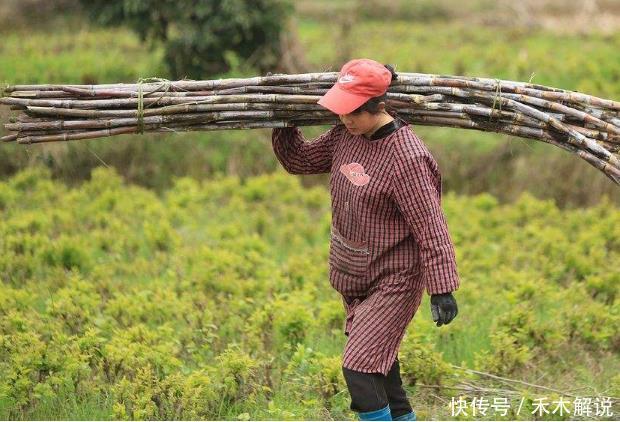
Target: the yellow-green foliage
(212, 300)
(86, 56)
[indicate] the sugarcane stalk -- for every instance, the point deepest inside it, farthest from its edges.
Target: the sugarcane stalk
(507, 87)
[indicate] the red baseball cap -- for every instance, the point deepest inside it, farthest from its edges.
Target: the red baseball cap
(358, 81)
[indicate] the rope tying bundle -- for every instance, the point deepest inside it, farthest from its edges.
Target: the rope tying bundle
(166, 84)
(497, 98)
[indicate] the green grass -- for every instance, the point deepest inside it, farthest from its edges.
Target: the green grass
(582, 63)
(68, 406)
(83, 56)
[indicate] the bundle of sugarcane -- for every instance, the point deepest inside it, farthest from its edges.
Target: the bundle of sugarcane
(582, 124)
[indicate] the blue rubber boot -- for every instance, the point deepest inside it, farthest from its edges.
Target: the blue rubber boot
(406, 417)
(376, 415)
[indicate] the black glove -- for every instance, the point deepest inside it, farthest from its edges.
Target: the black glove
(443, 308)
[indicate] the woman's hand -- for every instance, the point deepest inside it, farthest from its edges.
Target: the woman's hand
(443, 308)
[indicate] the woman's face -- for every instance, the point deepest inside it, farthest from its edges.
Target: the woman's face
(360, 123)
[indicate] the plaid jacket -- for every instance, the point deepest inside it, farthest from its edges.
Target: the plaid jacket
(387, 226)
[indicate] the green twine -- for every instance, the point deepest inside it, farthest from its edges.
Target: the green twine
(496, 98)
(140, 112)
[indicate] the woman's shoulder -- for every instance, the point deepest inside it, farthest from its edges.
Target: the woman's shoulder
(409, 145)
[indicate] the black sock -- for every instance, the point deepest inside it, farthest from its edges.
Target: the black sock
(396, 394)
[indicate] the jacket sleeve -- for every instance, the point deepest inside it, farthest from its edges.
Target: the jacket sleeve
(417, 192)
(298, 156)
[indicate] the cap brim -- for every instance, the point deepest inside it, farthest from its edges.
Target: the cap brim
(340, 101)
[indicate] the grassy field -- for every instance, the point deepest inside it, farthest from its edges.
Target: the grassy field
(76, 55)
(513, 54)
(212, 301)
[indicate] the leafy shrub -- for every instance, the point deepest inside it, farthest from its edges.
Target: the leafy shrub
(310, 372)
(508, 355)
(420, 362)
(175, 307)
(198, 37)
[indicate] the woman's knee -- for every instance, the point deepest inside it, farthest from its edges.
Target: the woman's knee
(367, 390)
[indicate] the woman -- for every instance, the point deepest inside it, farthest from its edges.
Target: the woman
(389, 237)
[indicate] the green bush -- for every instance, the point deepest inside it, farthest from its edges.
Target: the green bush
(125, 304)
(199, 37)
